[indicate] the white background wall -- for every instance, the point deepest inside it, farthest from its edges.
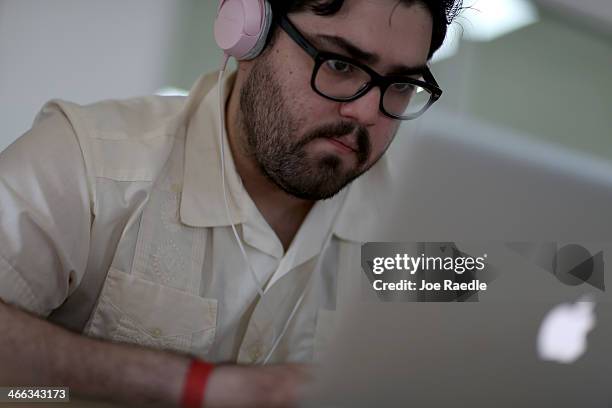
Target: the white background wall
(79, 50)
(598, 11)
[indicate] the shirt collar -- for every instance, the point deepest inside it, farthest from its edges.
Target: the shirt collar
(202, 203)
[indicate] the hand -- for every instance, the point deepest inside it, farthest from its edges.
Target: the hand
(234, 386)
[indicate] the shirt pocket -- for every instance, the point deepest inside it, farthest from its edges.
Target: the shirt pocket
(134, 310)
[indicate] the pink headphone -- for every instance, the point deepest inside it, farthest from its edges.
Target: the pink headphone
(242, 26)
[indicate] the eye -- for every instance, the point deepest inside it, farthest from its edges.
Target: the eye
(402, 88)
(339, 66)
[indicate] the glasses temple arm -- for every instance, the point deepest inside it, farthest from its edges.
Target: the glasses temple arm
(293, 32)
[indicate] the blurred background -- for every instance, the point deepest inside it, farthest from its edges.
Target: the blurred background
(540, 68)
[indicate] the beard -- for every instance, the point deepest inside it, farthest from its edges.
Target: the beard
(270, 130)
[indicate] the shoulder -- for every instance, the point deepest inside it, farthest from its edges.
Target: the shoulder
(124, 140)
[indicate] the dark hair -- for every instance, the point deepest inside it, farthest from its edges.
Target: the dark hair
(442, 11)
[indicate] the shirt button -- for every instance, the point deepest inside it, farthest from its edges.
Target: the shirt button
(255, 354)
(156, 332)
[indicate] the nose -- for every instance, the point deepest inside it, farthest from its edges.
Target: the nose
(365, 109)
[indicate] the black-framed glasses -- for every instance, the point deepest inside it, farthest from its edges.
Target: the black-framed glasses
(344, 79)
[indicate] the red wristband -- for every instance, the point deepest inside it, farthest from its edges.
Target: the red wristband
(195, 384)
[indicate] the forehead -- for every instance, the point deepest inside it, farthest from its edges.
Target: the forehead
(400, 34)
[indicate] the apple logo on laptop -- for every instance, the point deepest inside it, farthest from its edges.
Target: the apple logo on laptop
(563, 334)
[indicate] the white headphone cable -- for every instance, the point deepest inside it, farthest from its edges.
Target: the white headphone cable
(310, 278)
(222, 136)
(258, 285)
(223, 182)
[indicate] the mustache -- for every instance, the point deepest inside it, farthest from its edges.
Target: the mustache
(342, 129)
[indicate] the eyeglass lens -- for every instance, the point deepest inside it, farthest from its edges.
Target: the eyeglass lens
(342, 80)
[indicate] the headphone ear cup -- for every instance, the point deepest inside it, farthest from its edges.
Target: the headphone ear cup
(242, 26)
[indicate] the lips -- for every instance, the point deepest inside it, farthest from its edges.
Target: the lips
(346, 142)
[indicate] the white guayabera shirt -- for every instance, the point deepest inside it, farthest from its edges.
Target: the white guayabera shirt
(112, 222)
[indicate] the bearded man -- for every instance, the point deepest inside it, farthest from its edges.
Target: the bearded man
(142, 262)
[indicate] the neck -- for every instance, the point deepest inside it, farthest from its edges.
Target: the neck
(283, 212)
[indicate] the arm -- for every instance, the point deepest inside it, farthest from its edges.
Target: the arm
(36, 353)
(45, 217)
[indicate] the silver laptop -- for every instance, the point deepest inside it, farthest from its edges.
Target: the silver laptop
(539, 335)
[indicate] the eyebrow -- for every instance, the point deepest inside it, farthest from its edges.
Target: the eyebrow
(366, 57)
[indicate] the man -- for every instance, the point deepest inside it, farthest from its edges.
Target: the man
(113, 220)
